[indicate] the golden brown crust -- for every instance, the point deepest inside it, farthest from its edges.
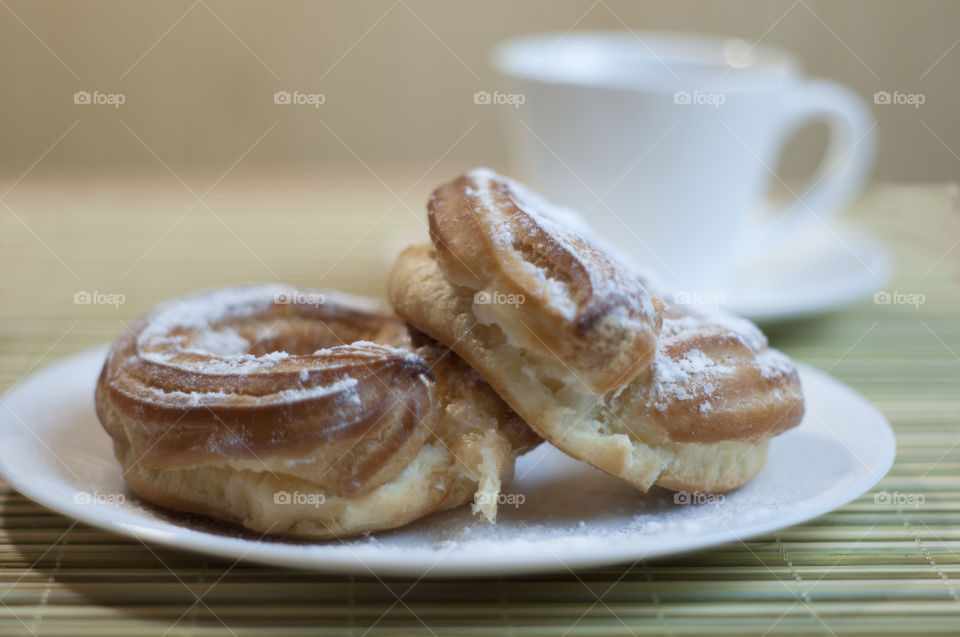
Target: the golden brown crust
(568, 300)
(714, 379)
(355, 412)
(211, 397)
(697, 417)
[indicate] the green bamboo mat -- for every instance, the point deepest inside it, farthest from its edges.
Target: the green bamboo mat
(867, 568)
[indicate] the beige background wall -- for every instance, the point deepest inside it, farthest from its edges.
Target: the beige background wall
(398, 76)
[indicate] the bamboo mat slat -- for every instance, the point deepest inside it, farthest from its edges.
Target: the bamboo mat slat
(865, 569)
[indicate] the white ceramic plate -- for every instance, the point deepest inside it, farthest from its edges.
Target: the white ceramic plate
(53, 450)
(820, 270)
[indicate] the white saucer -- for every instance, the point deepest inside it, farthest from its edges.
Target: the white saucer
(819, 271)
(53, 450)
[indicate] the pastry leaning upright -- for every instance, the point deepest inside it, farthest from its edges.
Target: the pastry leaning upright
(647, 391)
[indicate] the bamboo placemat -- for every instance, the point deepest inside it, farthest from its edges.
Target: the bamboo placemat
(867, 568)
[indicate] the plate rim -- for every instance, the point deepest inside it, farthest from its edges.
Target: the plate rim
(410, 562)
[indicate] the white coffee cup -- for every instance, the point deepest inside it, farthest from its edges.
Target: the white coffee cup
(667, 143)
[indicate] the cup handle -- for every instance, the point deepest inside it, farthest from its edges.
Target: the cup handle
(847, 162)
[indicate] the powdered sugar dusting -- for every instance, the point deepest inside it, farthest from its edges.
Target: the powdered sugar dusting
(775, 365)
(692, 376)
(681, 372)
(198, 335)
(571, 509)
(569, 229)
(560, 219)
(220, 342)
(206, 308)
(213, 398)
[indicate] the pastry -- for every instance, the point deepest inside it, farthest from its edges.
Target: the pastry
(692, 403)
(301, 412)
(559, 297)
